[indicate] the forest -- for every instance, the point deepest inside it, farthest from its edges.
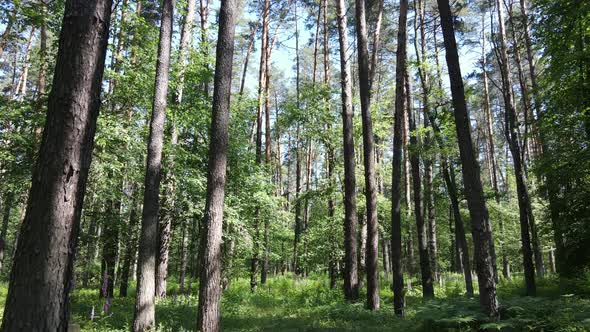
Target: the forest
(295, 165)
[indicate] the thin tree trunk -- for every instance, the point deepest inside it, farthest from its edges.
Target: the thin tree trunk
(21, 89)
(398, 142)
(425, 272)
(480, 224)
(515, 148)
(537, 250)
(144, 315)
(462, 249)
(372, 259)
(491, 147)
(210, 251)
(351, 284)
(267, 143)
(255, 262)
(130, 247)
(49, 232)
(183, 258)
(427, 160)
(110, 249)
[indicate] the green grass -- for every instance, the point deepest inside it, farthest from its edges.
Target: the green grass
(285, 304)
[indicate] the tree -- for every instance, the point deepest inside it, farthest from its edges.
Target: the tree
(425, 267)
(512, 136)
(398, 138)
(210, 251)
(42, 272)
(144, 315)
(372, 258)
(481, 228)
(351, 286)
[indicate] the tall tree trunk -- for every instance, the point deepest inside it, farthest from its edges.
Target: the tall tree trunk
(480, 224)
(297, 237)
(427, 160)
(398, 140)
(255, 262)
(49, 232)
(526, 102)
(558, 237)
(210, 250)
(425, 272)
(515, 148)
(493, 164)
(372, 259)
(267, 143)
(144, 316)
(168, 203)
(351, 284)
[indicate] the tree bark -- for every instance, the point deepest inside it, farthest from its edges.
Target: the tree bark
(463, 259)
(425, 272)
(515, 149)
(480, 224)
(144, 315)
(372, 259)
(210, 250)
(398, 141)
(429, 211)
(351, 284)
(41, 277)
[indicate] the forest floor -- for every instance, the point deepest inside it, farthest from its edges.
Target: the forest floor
(284, 304)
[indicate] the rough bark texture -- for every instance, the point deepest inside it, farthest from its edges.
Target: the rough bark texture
(480, 224)
(512, 136)
(351, 285)
(372, 259)
(210, 251)
(398, 140)
(144, 316)
(41, 277)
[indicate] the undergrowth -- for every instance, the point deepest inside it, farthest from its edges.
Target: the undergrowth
(288, 304)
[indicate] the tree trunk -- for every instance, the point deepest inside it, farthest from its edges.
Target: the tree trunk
(372, 259)
(398, 141)
(526, 102)
(351, 285)
(144, 316)
(110, 249)
(425, 272)
(37, 300)
(515, 149)
(8, 201)
(427, 160)
(480, 224)
(130, 248)
(210, 250)
(463, 259)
